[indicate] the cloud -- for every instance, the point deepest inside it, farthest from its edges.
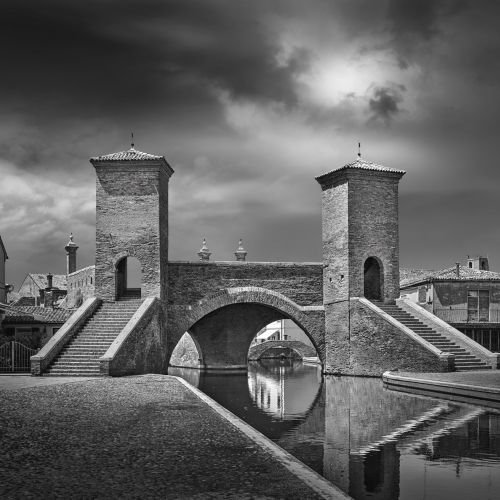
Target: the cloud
(414, 23)
(384, 105)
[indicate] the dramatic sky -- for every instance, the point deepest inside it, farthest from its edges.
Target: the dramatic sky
(249, 101)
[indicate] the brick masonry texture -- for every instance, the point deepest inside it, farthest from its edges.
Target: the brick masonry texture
(193, 281)
(144, 350)
(369, 345)
(273, 305)
(131, 220)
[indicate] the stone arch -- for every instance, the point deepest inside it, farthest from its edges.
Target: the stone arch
(309, 318)
(121, 266)
(373, 278)
(258, 350)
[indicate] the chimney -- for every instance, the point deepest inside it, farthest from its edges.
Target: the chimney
(458, 269)
(71, 249)
(49, 281)
(204, 253)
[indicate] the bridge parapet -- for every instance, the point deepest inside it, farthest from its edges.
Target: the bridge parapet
(191, 281)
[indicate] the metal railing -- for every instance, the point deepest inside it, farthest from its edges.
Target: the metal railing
(468, 316)
(15, 357)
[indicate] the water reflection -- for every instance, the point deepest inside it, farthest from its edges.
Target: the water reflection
(372, 442)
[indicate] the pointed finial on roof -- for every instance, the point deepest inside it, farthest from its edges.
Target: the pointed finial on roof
(204, 252)
(240, 253)
(71, 243)
(359, 150)
(132, 139)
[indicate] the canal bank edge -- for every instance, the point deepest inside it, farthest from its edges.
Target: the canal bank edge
(483, 389)
(316, 482)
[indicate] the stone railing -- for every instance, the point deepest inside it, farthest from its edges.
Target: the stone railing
(491, 358)
(41, 360)
(120, 358)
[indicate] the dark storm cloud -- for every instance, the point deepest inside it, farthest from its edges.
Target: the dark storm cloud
(99, 56)
(414, 22)
(385, 103)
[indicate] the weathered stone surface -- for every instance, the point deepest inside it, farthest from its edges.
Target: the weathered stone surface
(369, 345)
(272, 305)
(141, 347)
(132, 220)
(193, 281)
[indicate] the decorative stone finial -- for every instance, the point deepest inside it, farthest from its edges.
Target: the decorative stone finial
(204, 252)
(71, 243)
(240, 253)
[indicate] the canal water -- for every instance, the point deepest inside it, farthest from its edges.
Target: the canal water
(372, 442)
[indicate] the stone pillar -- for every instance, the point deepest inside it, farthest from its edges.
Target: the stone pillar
(71, 249)
(360, 240)
(131, 220)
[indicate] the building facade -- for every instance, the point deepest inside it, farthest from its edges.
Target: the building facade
(465, 296)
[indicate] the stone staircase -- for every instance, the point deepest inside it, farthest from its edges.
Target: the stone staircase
(464, 359)
(80, 356)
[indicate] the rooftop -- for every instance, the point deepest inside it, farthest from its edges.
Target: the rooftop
(40, 279)
(129, 155)
(410, 277)
(361, 164)
(35, 314)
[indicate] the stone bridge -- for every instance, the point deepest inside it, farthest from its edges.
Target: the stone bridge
(303, 350)
(223, 305)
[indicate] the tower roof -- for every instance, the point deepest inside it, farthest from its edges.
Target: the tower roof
(131, 154)
(361, 164)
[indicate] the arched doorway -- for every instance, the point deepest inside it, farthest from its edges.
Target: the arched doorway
(373, 279)
(128, 278)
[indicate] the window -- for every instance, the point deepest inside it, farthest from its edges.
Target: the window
(478, 305)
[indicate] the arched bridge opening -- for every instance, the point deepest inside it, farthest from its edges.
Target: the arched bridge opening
(223, 326)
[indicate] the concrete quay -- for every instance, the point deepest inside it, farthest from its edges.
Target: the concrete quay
(476, 387)
(149, 436)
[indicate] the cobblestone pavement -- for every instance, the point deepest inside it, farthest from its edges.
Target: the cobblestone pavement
(131, 437)
(14, 382)
(480, 378)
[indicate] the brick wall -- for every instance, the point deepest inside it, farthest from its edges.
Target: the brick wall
(81, 286)
(131, 205)
(192, 281)
(374, 230)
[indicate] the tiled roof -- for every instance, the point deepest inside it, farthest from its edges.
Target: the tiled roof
(410, 277)
(407, 276)
(129, 155)
(24, 301)
(35, 314)
(58, 280)
(362, 164)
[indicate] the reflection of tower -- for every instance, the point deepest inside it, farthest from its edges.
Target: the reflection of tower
(376, 475)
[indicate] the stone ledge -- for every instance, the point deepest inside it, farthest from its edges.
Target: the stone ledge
(489, 396)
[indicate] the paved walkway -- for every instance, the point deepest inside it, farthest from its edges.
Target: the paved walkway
(15, 382)
(479, 387)
(148, 436)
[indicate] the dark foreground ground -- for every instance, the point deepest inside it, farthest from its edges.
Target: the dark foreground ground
(134, 437)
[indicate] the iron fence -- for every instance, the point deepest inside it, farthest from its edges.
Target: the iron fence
(15, 357)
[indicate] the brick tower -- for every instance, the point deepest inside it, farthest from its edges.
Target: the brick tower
(360, 244)
(131, 221)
